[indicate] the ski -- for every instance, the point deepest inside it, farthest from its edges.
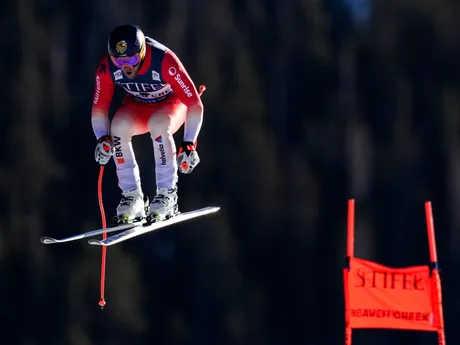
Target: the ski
(145, 228)
(51, 240)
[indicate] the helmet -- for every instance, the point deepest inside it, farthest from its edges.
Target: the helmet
(126, 40)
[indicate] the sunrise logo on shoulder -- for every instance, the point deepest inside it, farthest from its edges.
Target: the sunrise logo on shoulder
(183, 86)
(173, 71)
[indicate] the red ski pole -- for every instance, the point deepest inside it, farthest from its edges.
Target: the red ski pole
(104, 235)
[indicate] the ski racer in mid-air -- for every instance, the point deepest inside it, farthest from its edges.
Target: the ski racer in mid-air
(160, 98)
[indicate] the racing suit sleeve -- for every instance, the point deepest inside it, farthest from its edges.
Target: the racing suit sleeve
(174, 74)
(102, 97)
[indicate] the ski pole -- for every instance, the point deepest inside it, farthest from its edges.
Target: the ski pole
(104, 235)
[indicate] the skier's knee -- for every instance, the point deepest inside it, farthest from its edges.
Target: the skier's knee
(121, 126)
(159, 124)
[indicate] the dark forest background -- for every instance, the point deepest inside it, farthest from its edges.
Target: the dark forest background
(308, 103)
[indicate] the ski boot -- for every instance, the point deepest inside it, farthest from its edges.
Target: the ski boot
(164, 205)
(133, 207)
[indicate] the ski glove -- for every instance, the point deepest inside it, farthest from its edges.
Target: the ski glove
(104, 150)
(188, 158)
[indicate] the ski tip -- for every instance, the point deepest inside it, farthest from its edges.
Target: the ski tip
(214, 208)
(47, 240)
(209, 208)
(95, 242)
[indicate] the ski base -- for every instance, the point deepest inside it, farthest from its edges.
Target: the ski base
(140, 229)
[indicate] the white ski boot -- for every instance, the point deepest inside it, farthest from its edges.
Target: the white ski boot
(164, 205)
(132, 207)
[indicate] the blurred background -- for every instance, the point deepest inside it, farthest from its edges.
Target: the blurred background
(308, 103)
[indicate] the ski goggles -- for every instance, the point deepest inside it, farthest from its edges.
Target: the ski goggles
(130, 61)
